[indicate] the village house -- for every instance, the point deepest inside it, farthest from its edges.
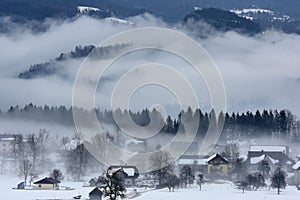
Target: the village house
(275, 155)
(128, 173)
(217, 165)
(47, 183)
(194, 161)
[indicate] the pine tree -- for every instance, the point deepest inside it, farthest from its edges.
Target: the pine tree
(278, 180)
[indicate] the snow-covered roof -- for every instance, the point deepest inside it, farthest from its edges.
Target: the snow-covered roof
(255, 160)
(131, 171)
(274, 161)
(7, 139)
(268, 148)
(192, 161)
(297, 166)
(214, 156)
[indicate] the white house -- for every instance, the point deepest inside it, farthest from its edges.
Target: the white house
(275, 155)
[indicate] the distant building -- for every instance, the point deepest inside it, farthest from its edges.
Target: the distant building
(194, 161)
(275, 155)
(6, 144)
(129, 173)
(21, 185)
(47, 183)
(95, 194)
(217, 166)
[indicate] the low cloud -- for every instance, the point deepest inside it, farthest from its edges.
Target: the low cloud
(258, 72)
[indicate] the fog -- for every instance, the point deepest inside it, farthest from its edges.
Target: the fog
(259, 72)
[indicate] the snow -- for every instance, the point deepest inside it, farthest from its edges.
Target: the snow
(197, 8)
(8, 182)
(128, 170)
(268, 148)
(133, 141)
(222, 190)
(255, 160)
(7, 139)
(83, 9)
(251, 10)
(273, 160)
(297, 165)
(212, 157)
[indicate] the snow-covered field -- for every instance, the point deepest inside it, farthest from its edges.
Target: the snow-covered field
(209, 191)
(220, 191)
(7, 193)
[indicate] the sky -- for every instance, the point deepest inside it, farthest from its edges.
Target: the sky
(259, 72)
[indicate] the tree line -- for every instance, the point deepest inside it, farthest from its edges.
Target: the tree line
(274, 123)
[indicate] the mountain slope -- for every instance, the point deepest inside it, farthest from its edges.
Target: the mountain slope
(223, 21)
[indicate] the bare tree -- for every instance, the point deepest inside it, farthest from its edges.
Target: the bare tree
(162, 164)
(64, 143)
(171, 182)
(37, 145)
(32, 177)
(18, 149)
(25, 168)
(77, 162)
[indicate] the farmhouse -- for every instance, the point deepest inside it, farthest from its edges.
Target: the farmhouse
(194, 161)
(217, 165)
(275, 155)
(128, 173)
(46, 183)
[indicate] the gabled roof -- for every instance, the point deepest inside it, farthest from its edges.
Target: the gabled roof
(131, 171)
(255, 160)
(95, 191)
(47, 181)
(216, 155)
